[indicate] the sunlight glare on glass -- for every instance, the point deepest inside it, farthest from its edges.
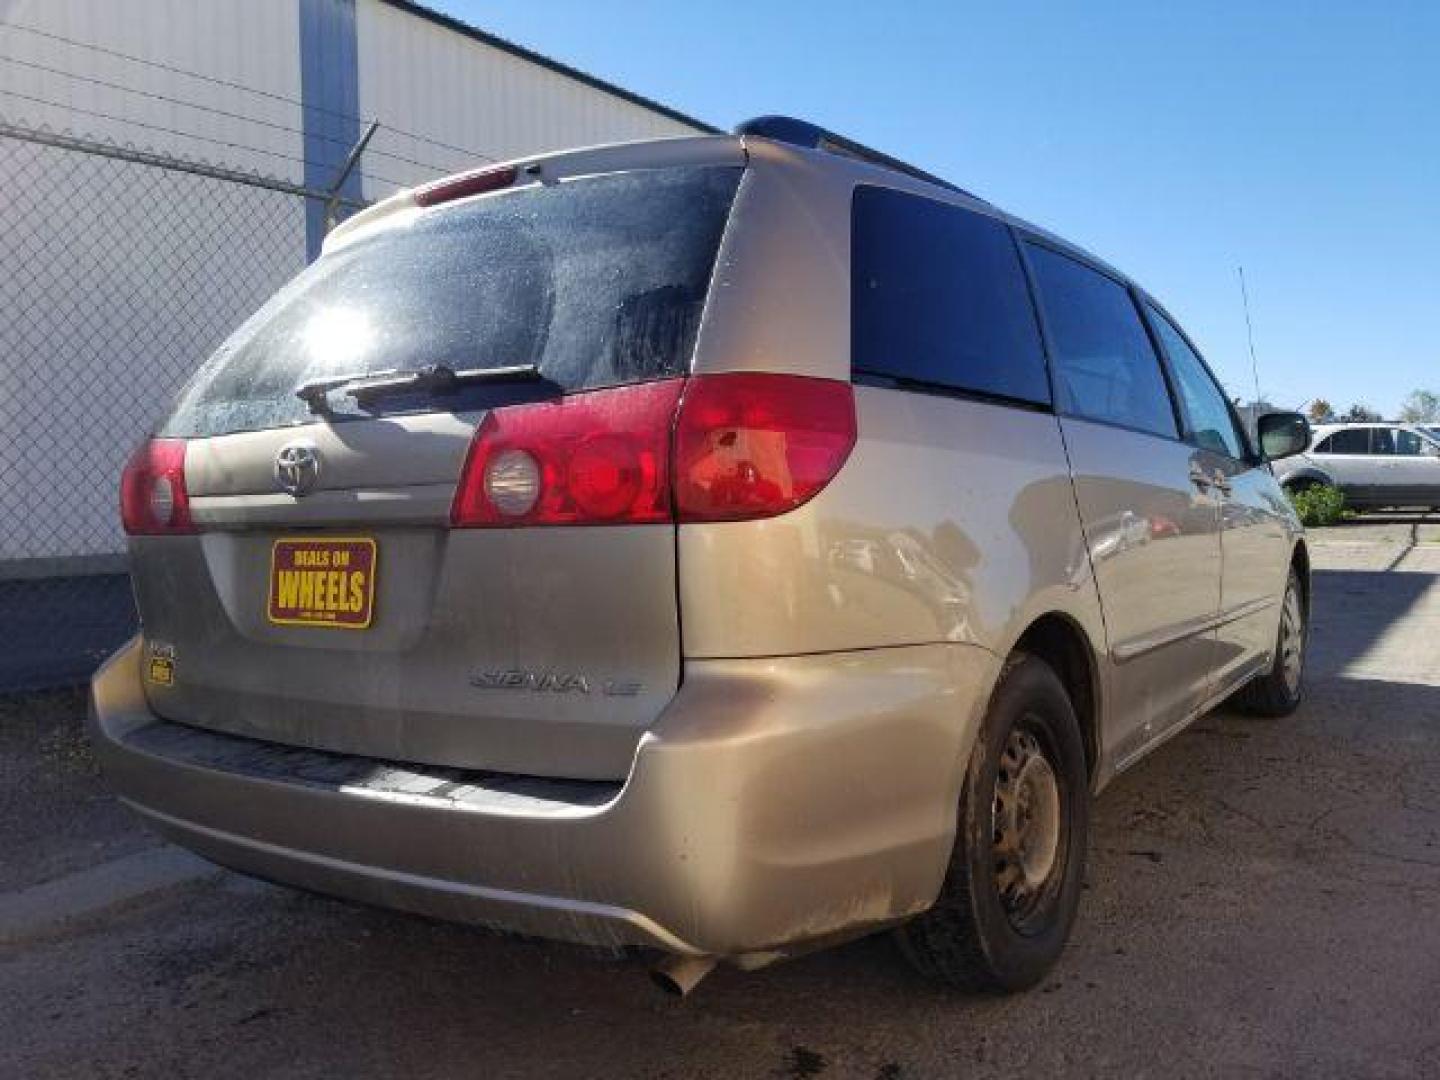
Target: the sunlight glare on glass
(336, 337)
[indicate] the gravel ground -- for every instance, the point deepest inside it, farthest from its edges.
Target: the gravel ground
(1263, 900)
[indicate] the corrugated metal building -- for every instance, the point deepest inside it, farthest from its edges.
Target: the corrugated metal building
(118, 280)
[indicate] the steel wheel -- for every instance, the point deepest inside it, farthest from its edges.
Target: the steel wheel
(1292, 639)
(1014, 880)
(1025, 814)
(1277, 691)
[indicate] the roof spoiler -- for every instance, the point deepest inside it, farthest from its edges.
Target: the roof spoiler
(802, 133)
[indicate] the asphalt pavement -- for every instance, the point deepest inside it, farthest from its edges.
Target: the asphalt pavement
(1263, 899)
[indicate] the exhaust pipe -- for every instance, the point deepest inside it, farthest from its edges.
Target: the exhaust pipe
(679, 975)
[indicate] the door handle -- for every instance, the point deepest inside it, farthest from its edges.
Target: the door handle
(1205, 481)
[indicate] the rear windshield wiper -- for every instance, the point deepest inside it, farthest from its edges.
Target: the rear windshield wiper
(436, 378)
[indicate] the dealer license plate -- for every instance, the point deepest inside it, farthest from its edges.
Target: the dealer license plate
(323, 581)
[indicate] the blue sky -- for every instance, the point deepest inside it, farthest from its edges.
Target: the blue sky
(1178, 141)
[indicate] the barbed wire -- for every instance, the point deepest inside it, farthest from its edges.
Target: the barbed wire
(65, 140)
(191, 135)
(217, 81)
(154, 96)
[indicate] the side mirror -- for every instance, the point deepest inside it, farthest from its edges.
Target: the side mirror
(1283, 435)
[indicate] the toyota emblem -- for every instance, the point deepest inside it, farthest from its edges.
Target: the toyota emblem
(297, 468)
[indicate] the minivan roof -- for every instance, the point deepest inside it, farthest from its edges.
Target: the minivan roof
(788, 129)
(813, 138)
(800, 135)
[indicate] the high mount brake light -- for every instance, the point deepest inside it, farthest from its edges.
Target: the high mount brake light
(153, 499)
(459, 187)
(743, 446)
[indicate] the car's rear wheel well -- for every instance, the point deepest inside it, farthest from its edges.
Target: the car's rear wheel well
(1063, 645)
(1304, 481)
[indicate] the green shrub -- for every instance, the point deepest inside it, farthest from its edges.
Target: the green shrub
(1319, 505)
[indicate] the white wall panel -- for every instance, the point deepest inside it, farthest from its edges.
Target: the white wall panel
(424, 78)
(254, 43)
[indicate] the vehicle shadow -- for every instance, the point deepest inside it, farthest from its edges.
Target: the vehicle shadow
(1351, 610)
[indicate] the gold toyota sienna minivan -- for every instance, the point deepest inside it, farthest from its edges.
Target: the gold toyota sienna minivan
(716, 546)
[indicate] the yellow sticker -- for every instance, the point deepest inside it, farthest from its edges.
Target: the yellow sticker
(162, 671)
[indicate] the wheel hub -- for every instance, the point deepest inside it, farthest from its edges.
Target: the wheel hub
(1026, 814)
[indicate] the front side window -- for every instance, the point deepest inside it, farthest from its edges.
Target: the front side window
(1382, 441)
(1104, 366)
(1208, 423)
(938, 298)
(1349, 441)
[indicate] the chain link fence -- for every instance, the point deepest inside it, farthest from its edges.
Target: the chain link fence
(122, 270)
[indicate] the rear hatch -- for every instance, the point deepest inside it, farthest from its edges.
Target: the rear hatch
(324, 597)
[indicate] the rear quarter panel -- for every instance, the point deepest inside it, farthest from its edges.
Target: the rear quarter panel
(952, 521)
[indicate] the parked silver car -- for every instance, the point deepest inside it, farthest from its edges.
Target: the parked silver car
(1374, 464)
(721, 545)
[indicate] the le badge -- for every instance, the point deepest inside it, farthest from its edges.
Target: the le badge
(160, 664)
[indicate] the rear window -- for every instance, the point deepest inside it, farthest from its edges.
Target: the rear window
(938, 298)
(597, 281)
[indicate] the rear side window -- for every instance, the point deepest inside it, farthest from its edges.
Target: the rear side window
(1104, 365)
(938, 298)
(596, 281)
(1349, 441)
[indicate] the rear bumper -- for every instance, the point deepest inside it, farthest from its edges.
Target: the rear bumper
(775, 802)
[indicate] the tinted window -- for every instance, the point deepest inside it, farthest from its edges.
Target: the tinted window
(1349, 441)
(1208, 423)
(1104, 366)
(938, 296)
(595, 281)
(1409, 444)
(1382, 441)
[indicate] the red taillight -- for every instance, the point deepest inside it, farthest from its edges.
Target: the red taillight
(757, 445)
(597, 458)
(153, 500)
(744, 446)
(459, 187)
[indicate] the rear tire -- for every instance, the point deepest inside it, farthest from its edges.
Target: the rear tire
(1013, 885)
(1280, 690)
